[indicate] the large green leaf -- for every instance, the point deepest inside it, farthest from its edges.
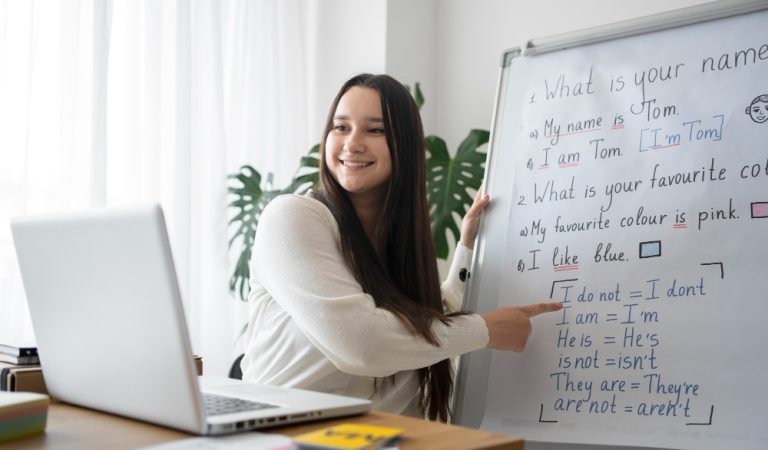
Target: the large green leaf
(450, 182)
(308, 174)
(418, 97)
(250, 199)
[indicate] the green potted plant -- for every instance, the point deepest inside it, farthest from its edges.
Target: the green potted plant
(450, 181)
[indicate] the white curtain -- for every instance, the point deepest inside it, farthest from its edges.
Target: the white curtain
(123, 102)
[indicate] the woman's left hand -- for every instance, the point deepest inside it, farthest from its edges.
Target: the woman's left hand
(471, 221)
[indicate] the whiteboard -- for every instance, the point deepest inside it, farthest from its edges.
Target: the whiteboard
(629, 178)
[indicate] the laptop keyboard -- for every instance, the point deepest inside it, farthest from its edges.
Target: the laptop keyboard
(216, 405)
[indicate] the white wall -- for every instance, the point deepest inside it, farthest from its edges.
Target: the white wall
(411, 53)
(347, 37)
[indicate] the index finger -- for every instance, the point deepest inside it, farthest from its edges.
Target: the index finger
(535, 309)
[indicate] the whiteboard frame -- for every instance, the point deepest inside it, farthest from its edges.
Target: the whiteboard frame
(482, 289)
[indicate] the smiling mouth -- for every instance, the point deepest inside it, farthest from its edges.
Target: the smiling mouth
(355, 163)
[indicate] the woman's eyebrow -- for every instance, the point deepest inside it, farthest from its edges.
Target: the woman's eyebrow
(369, 119)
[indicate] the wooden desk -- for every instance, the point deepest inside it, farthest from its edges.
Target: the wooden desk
(421, 434)
(71, 427)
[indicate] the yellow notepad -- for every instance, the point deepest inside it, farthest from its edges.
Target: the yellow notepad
(22, 414)
(349, 437)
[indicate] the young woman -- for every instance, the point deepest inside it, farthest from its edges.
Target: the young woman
(345, 296)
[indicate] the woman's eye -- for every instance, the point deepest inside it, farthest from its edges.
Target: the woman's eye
(340, 128)
(376, 130)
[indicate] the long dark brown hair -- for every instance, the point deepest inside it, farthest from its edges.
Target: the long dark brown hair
(402, 276)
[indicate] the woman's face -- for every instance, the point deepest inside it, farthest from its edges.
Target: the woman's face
(356, 150)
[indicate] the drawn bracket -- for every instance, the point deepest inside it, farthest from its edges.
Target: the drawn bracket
(552, 291)
(722, 270)
(711, 413)
(541, 414)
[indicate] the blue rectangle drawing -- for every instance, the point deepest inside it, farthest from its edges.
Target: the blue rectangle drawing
(650, 249)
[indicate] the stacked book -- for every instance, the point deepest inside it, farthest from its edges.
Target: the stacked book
(29, 378)
(20, 368)
(22, 414)
(19, 354)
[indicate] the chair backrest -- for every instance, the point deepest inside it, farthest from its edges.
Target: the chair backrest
(235, 371)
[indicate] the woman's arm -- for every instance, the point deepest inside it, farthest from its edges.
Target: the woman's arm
(508, 328)
(453, 286)
(296, 258)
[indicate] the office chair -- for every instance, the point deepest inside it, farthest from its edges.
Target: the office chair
(235, 371)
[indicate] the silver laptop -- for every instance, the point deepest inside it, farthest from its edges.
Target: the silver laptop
(110, 328)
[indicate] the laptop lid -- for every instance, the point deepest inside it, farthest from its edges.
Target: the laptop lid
(111, 332)
(107, 313)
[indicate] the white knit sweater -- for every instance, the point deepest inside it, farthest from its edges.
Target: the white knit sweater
(312, 326)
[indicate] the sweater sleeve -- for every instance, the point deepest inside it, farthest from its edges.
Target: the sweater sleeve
(296, 258)
(453, 286)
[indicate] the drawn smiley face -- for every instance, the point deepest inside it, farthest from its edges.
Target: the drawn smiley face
(758, 110)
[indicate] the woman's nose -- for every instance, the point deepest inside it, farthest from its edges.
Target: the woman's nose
(354, 143)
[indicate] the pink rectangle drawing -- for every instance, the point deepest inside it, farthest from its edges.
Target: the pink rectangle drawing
(759, 210)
